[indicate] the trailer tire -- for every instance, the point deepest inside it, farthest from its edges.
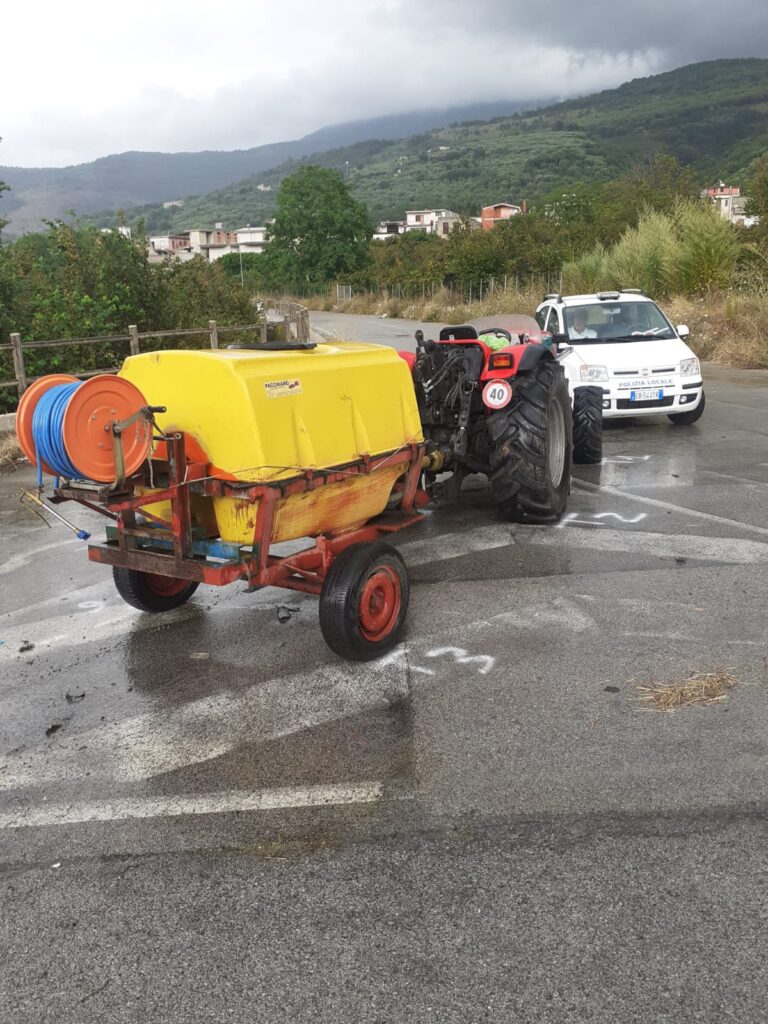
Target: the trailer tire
(150, 592)
(587, 425)
(531, 447)
(364, 601)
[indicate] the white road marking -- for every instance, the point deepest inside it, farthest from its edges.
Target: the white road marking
(690, 639)
(562, 613)
(164, 741)
(127, 808)
(455, 545)
(615, 492)
(686, 545)
(624, 460)
(737, 479)
(25, 557)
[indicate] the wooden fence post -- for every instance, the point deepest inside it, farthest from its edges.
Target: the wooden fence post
(133, 330)
(18, 364)
(214, 333)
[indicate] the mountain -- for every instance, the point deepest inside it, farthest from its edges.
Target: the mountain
(712, 115)
(136, 178)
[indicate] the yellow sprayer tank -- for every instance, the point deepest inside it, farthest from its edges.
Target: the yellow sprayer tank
(261, 416)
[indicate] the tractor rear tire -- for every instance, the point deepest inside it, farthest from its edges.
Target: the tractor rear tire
(531, 444)
(150, 592)
(587, 426)
(364, 601)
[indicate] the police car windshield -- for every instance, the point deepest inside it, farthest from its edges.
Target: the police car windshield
(616, 321)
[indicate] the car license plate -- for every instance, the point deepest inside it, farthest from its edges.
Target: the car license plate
(646, 395)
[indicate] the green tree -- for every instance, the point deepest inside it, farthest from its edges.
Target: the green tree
(320, 232)
(3, 221)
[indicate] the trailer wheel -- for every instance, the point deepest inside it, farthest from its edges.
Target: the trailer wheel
(587, 425)
(364, 601)
(530, 444)
(150, 592)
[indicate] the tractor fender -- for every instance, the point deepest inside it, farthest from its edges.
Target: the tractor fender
(532, 356)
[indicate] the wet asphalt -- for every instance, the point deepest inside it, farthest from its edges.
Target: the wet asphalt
(207, 816)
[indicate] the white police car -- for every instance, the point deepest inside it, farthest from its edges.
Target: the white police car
(623, 343)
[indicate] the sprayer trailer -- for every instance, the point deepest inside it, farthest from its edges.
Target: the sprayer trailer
(202, 461)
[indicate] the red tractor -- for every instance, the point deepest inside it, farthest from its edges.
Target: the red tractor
(493, 399)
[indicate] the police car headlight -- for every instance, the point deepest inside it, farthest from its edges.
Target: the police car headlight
(593, 373)
(690, 368)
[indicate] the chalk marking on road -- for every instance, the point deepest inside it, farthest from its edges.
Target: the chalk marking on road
(484, 662)
(571, 519)
(669, 506)
(228, 802)
(399, 656)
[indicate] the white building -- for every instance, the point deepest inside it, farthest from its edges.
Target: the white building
(729, 201)
(432, 222)
(251, 239)
(387, 228)
(122, 229)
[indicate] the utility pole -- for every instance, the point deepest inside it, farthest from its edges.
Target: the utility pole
(240, 251)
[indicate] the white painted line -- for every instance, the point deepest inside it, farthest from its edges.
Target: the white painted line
(127, 808)
(615, 492)
(662, 545)
(25, 557)
(166, 740)
(690, 639)
(455, 545)
(737, 479)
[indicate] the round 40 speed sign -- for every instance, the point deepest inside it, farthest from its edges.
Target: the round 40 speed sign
(497, 393)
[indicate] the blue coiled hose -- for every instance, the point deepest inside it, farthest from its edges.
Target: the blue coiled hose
(47, 432)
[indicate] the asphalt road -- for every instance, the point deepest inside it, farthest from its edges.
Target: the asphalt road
(206, 816)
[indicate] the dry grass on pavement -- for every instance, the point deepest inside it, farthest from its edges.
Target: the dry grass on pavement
(699, 691)
(9, 452)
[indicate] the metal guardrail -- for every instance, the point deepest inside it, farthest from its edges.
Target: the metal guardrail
(294, 316)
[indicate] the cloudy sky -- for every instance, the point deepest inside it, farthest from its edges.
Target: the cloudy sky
(83, 79)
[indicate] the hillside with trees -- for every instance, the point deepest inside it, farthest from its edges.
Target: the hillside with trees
(712, 116)
(135, 178)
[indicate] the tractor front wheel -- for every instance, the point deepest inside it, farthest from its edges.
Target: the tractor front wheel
(364, 601)
(150, 592)
(531, 443)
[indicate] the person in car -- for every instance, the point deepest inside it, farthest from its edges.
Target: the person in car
(578, 329)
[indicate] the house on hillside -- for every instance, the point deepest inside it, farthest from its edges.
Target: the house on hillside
(387, 229)
(729, 201)
(251, 239)
(492, 215)
(212, 244)
(431, 222)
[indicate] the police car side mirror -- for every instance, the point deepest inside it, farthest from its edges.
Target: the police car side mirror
(683, 331)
